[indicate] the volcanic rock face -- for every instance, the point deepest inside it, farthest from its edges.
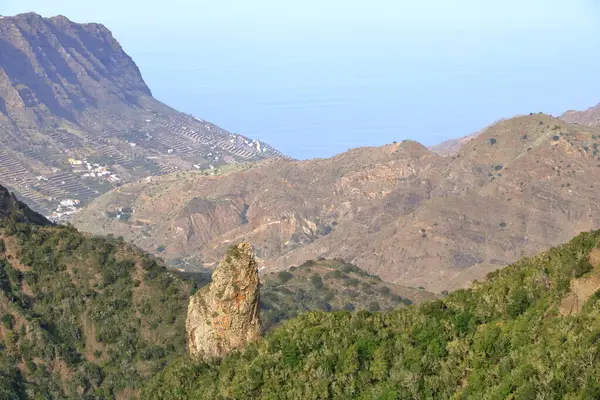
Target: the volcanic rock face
(224, 315)
(77, 118)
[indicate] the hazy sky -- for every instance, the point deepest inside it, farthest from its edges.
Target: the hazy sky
(314, 78)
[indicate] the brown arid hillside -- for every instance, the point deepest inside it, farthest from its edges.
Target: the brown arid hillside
(453, 146)
(399, 211)
(77, 119)
(591, 116)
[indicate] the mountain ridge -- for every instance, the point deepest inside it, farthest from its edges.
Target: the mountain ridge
(591, 116)
(11, 207)
(399, 211)
(452, 146)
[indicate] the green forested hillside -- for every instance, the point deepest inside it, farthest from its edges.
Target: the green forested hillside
(323, 285)
(329, 285)
(519, 335)
(94, 318)
(81, 317)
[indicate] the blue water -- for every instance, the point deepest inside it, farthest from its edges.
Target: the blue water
(314, 78)
(316, 95)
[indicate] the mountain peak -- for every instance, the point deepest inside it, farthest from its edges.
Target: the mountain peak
(66, 67)
(27, 16)
(61, 19)
(413, 147)
(77, 118)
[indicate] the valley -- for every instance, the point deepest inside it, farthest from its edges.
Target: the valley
(399, 211)
(91, 316)
(150, 254)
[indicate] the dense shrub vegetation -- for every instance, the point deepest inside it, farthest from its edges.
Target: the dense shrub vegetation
(503, 339)
(328, 285)
(83, 317)
(93, 318)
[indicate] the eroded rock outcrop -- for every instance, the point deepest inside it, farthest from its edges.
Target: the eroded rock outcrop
(224, 315)
(583, 288)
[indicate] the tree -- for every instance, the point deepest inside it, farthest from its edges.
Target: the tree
(317, 282)
(285, 276)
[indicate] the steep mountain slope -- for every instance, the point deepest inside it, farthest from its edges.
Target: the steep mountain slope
(591, 116)
(81, 317)
(399, 211)
(508, 338)
(76, 117)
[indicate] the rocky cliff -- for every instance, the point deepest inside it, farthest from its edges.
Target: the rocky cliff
(77, 118)
(224, 315)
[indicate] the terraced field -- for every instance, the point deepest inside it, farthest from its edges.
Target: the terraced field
(77, 119)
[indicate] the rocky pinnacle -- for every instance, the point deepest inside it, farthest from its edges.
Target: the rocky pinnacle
(223, 316)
